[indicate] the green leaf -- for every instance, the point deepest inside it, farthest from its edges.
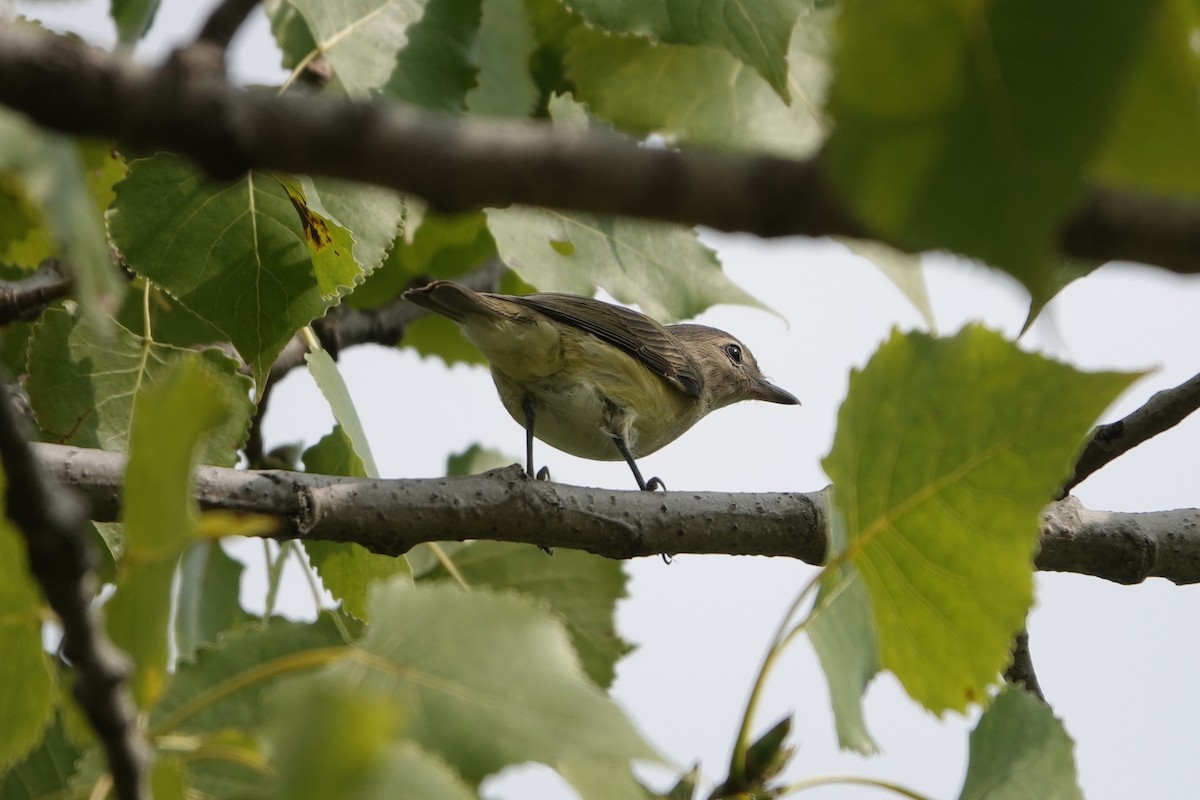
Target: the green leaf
(702, 96)
(168, 778)
(580, 587)
(327, 736)
(159, 512)
(45, 771)
(360, 38)
(945, 454)
(476, 459)
(132, 18)
(1155, 136)
(1020, 750)
(902, 269)
(171, 322)
(25, 238)
(28, 691)
(949, 134)
(223, 688)
(325, 373)
(84, 388)
(330, 245)
(236, 254)
(602, 779)
(50, 175)
(207, 601)
(409, 771)
(488, 680)
(754, 33)
(372, 214)
(505, 88)
(291, 32)
(437, 65)
(347, 569)
(843, 636)
(663, 268)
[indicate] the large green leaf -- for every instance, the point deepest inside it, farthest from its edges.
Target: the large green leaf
(754, 33)
(237, 254)
(487, 679)
(504, 87)
(207, 601)
(84, 388)
(347, 569)
(27, 686)
(945, 454)
(703, 96)
(160, 514)
(1155, 136)
(360, 38)
(580, 587)
(1020, 750)
(223, 688)
(44, 771)
(968, 124)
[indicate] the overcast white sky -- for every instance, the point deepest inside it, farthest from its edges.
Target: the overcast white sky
(1119, 664)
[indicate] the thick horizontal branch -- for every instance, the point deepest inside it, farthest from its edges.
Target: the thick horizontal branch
(392, 516)
(458, 163)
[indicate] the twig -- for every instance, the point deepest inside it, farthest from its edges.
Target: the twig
(225, 21)
(26, 297)
(1020, 671)
(52, 519)
(1163, 411)
(507, 506)
(461, 163)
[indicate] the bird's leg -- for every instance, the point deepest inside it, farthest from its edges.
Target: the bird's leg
(542, 474)
(644, 485)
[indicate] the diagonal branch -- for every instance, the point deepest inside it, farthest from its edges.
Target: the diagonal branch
(1163, 411)
(458, 163)
(52, 521)
(30, 295)
(505, 505)
(225, 21)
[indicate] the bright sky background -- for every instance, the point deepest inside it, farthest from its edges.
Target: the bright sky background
(1118, 664)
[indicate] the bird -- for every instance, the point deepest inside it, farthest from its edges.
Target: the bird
(595, 379)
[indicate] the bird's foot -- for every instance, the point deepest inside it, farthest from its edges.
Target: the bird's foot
(653, 484)
(543, 474)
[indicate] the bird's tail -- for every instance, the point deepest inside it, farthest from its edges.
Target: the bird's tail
(453, 300)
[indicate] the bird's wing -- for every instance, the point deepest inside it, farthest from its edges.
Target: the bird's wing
(627, 330)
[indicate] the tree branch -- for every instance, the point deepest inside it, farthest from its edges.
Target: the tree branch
(225, 21)
(461, 163)
(52, 521)
(19, 299)
(1163, 411)
(505, 505)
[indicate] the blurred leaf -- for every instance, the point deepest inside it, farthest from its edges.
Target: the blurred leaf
(347, 569)
(602, 779)
(132, 18)
(168, 778)
(223, 687)
(580, 587)
(703, 96)
(1153, 141)
(488, 679)
(949, 134)
(47, 172)
(207, 600)
(45, 771)
(436, 66)
(236, 254)
(159, 514)
(1020, 750)
(28, 691)
(902, 269)
(325, 373)
(409, 771)
(504, 87)
(843, 636)
(84, 389)
(435, 335)
(754, 33)
(291, 32)
(476, 459)
(360, 38)
(25, 236)
(946, 452)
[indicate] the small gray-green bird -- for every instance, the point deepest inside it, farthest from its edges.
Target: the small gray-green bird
(598, 380)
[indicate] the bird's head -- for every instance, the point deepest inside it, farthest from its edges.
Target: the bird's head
(731, 373)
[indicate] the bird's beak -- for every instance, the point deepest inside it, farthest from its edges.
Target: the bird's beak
(773, 394)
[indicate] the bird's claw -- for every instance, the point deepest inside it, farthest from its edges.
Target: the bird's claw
(543, 474)
(653, 484)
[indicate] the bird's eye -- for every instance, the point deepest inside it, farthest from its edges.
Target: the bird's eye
(734, 352)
